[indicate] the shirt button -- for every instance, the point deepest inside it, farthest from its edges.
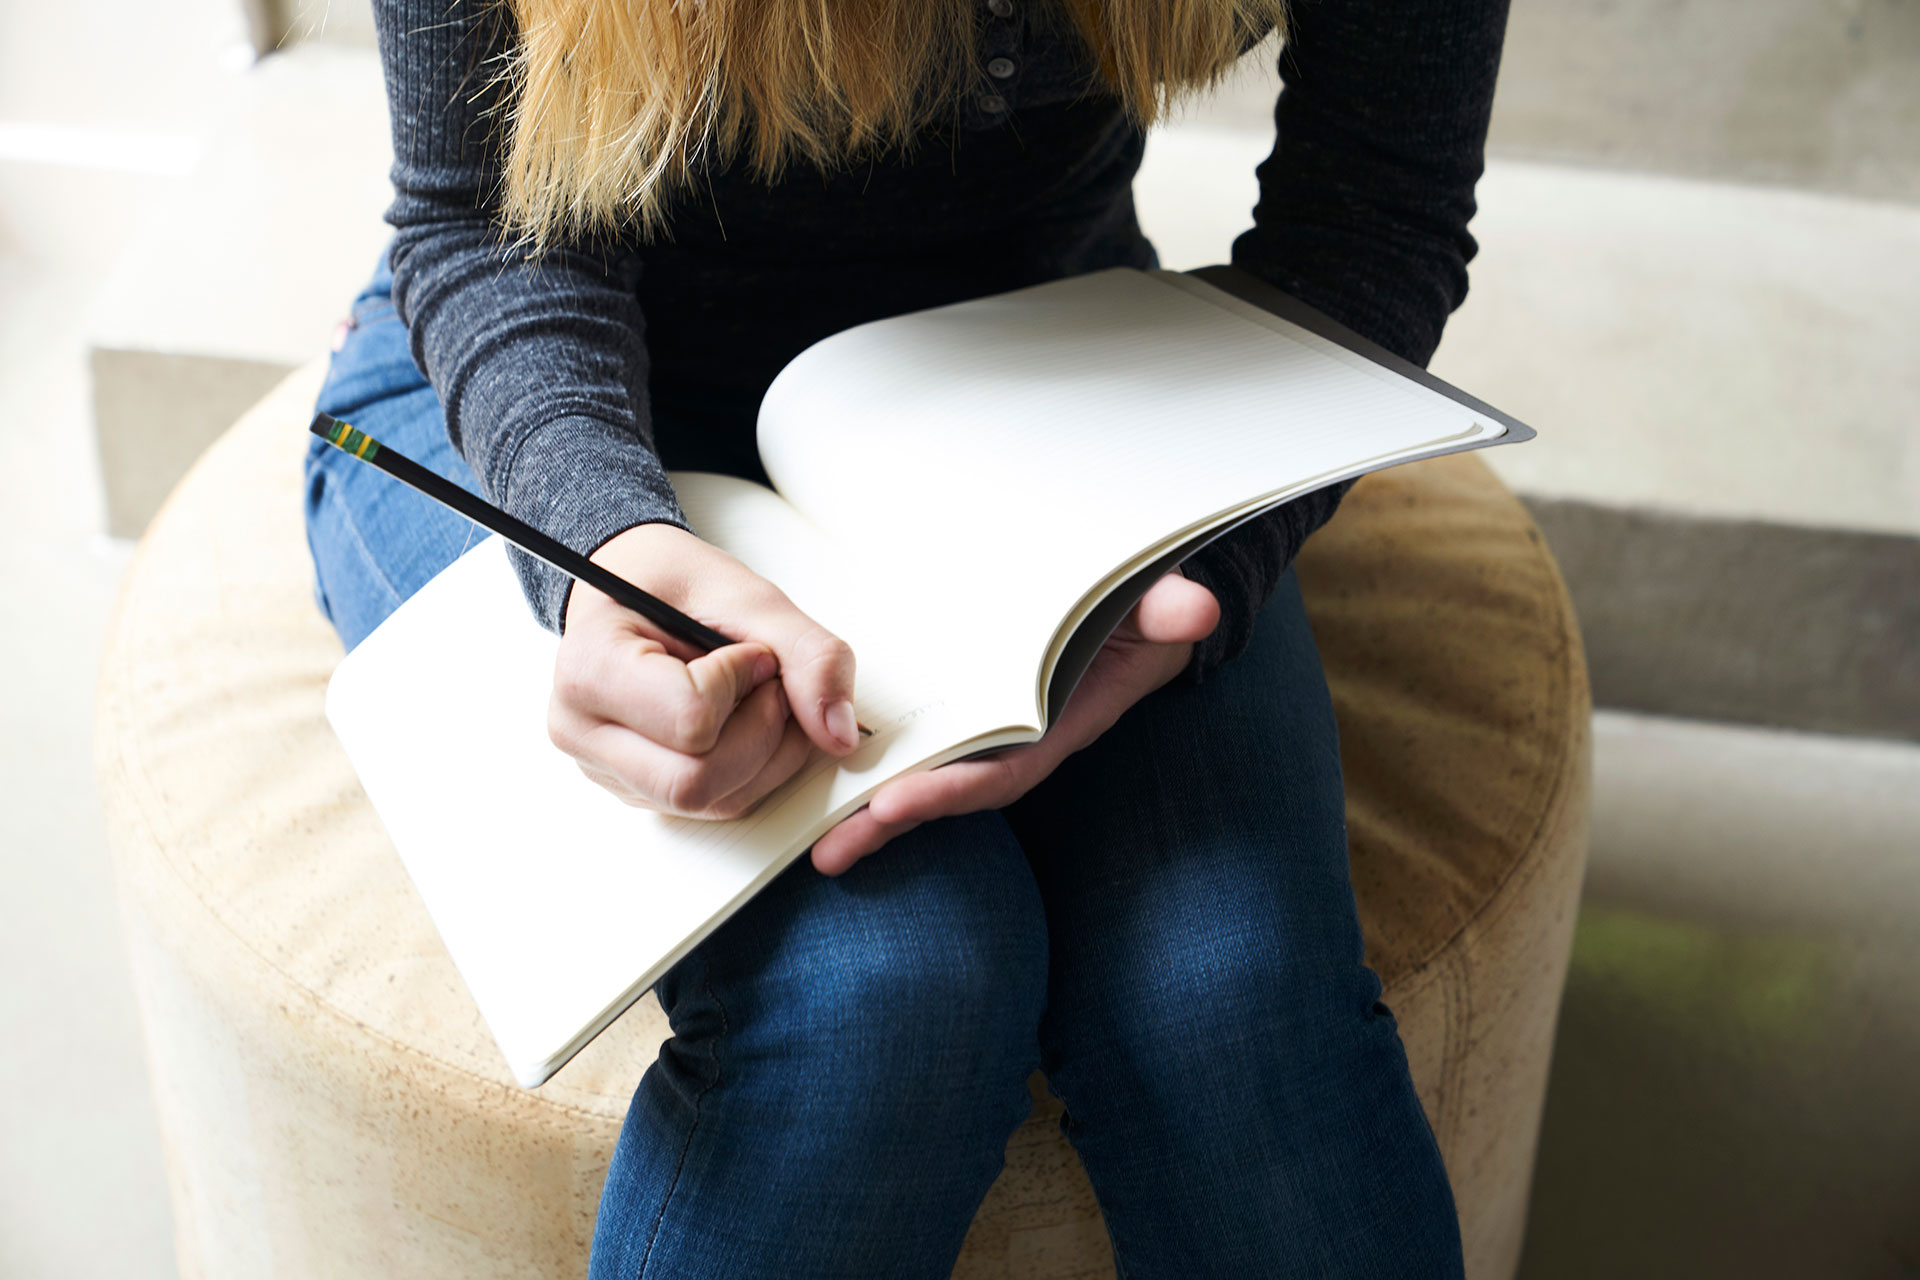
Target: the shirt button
(1000, 8)
(1000, 68)
(992, 103)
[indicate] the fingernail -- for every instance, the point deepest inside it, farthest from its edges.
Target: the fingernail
(763, 668)
(840, 723)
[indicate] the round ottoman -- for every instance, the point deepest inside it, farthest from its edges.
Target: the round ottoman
(332, 1106)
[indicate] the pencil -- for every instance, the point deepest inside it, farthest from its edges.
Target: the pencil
(359, 444)
(521, 534)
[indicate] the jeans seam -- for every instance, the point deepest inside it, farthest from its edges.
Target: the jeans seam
(360, 542)
(686, 1146)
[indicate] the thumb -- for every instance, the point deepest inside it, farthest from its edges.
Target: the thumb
(1176, 610)
(816, 670)
(728, 674)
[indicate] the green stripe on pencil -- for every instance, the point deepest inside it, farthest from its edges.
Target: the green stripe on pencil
(352, 439)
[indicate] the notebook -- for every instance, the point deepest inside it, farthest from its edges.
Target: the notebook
(972, 496)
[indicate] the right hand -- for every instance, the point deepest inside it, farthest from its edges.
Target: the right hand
(698, 736)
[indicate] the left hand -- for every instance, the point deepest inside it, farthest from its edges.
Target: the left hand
(1150, 647)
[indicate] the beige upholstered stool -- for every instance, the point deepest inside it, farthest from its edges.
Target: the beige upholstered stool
(333, 1107)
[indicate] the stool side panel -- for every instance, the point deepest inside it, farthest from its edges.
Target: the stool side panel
(1516, 954)
(307, 1145)
(1459, 685)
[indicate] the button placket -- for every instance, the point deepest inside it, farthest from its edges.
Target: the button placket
(1000, 52)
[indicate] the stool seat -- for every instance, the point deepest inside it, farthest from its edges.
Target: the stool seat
(331, 1104)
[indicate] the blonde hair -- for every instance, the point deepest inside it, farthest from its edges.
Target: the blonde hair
(613, 105)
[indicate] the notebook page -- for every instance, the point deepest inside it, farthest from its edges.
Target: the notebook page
(873, 606)
(1034, 442)
(560, 904)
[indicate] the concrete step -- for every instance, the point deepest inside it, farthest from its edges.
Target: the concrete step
(1704, 348)
(1814, 97)
(1712, 349)
(1723, 381)
(1732, 1088)
(1743, 620)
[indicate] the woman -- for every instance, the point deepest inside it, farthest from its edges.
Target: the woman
(615, 223)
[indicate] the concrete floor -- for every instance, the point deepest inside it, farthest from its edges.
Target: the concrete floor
(1733, 1081)
(1732, 1092)
(82, 1185)
(82, 1192)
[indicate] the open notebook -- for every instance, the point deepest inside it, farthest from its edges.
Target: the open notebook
(972, 497)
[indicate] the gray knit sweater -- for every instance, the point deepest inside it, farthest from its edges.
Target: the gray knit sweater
(571, 385)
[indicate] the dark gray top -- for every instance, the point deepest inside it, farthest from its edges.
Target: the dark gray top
(570, 385)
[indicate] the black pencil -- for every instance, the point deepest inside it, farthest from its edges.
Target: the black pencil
(521, 534)
(352, 440)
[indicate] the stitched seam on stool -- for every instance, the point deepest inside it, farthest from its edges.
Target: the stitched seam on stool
(1453, 1066)
(1555, 788)
(706, 981)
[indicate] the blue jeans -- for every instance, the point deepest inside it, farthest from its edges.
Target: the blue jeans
(1165, 926)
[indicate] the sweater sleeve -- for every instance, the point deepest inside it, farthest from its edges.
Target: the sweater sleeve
(1363, 211)
(541, 366)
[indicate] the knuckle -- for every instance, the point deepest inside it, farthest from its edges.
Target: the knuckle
(688, 790)
(560, 730)
(696, 724)
(623, 788)
(772, 726)
(764, 596)
(820, 648)
(737, 805)
(605, 781)
(1007, 783)
(571, 684)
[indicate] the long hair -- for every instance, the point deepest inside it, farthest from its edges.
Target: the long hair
(612, 105)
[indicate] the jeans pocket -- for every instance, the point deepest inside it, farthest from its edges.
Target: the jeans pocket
(370, 308)
(374, 364)
(370, 353)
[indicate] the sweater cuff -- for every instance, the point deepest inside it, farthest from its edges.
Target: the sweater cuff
(1243, 567)
(580, 481)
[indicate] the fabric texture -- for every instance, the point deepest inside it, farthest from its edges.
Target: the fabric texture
(850, 1056)
(556, 375)
(331, 1104)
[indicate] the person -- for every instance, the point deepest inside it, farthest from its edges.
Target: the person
(613, 224)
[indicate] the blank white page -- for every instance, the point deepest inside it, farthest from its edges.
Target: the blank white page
(1034, 442)
(560, 904)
